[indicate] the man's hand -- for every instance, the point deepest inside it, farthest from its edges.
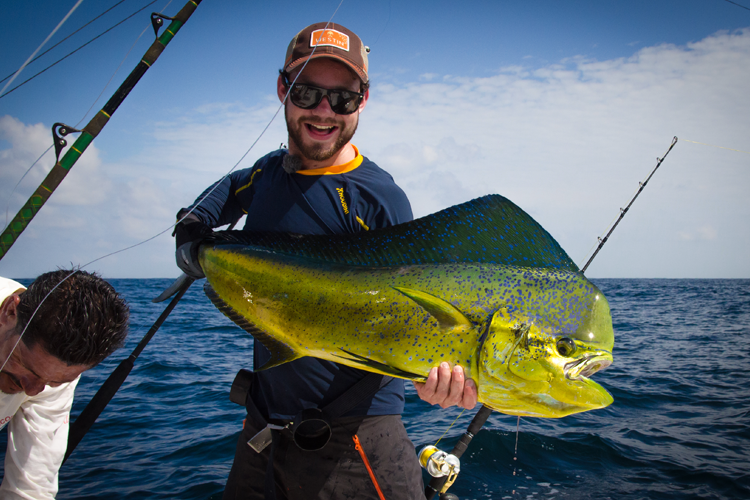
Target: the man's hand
(188, 236)
(448, 388)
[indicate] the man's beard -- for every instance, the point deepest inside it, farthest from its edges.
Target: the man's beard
(318, 152)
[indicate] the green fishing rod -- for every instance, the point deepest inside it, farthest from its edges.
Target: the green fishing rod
(92, 129)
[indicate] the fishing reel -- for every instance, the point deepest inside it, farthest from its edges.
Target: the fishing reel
(438, 463)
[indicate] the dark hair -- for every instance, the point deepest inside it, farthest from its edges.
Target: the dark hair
(80, 322)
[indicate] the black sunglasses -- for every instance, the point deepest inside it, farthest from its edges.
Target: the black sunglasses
(343, 102)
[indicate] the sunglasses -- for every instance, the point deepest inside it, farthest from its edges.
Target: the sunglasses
(343, 102)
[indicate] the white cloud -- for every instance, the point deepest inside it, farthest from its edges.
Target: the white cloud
(699, 233)
(568, 142)
(85, 184)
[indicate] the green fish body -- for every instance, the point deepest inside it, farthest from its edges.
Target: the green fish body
(480, 285)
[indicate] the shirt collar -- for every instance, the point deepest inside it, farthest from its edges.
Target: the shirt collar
(336, 169)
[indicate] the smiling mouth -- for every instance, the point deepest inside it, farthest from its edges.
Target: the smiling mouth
(587, 366)
(317, 131)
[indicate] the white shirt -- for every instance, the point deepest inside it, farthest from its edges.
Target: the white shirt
(37, 433)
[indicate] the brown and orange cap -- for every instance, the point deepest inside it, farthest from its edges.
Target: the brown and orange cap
(328, 40)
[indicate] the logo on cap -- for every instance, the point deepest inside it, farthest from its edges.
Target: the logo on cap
(329, 38)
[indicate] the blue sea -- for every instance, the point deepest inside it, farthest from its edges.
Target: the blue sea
(679, 427)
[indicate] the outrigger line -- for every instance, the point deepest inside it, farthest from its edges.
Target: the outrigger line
(90, 131)
(623, 211)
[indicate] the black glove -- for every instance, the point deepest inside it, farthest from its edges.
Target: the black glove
(189, 234)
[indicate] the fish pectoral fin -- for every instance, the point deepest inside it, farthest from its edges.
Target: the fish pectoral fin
(446, 314)
(280, 352)
(376, 366)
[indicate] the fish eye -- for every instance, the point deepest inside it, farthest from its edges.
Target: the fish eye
(566, 347)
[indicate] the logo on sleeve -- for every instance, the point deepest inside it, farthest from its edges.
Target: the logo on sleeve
(343, 201)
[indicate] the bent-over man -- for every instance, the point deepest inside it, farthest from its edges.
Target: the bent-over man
(64, 323)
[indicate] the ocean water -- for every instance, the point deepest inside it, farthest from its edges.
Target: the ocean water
(679, 427)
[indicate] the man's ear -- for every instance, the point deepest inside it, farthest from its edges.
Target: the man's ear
(364, 100)
(8, 310)
(281, 88)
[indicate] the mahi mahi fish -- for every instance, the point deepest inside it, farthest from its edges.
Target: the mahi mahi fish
(481, 285)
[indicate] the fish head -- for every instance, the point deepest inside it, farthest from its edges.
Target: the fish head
(529, 368)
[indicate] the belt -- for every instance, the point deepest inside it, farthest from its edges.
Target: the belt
(311, 428)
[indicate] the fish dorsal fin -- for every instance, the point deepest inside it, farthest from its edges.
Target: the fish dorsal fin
(280, 352)
(448, 317)
(491, 229)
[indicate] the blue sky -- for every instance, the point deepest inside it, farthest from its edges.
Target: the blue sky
(563, 107)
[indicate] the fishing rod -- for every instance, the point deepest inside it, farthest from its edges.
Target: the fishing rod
(109, 388)
(623, 211)
(92, 129)
(444, 467)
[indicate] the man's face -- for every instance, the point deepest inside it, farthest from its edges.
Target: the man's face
(318, 134)
(28, 369)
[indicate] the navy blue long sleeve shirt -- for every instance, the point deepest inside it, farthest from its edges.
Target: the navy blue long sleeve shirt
(356, 196)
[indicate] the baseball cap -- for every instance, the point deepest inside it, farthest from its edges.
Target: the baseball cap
(328, 40)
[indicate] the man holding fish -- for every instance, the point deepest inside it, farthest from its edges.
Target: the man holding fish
(320, 185)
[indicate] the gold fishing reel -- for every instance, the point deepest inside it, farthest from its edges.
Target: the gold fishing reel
(438, 463)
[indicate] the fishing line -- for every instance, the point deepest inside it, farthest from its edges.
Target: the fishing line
(7, 206)
(515, 449)
(121, 62)
(65, 57)
(713, 146)
(59, 25)
(105, 393)
(40, 157)
(386, 24)
(449, 427)
(61, 41)
(171, 227)
(262, 133)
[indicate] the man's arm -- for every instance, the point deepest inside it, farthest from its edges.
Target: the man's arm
(37, 440)
(216, 206)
